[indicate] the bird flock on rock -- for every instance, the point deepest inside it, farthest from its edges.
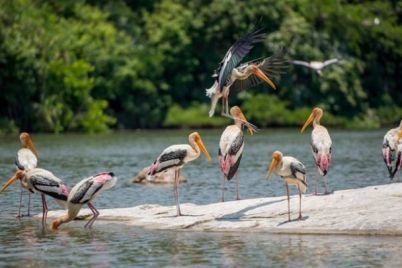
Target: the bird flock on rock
(230, 75)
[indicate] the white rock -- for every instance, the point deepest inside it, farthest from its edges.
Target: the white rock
(370, 210)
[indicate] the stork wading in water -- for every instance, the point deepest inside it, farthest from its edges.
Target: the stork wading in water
(231, 147)
(315, 65)
(176, 156)
(292, 172)
(27, 159)
(389, 147)
(44, 182)
(230, 75)
(398, 162)
(83, 193)
(321, 145)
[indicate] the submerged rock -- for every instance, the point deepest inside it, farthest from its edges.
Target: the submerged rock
(370, 210)
(166, 176)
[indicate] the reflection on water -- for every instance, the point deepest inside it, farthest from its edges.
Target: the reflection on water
(357, 163)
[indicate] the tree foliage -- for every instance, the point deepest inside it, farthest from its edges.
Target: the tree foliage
(93, 65)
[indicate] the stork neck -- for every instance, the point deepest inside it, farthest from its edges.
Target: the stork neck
(195, 147)
(241, 75)
(71, 214)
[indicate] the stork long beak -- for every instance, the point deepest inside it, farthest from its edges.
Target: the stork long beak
(251, 128)
(308, 121)
(11, 180)
(203, 149)
(272, 166)
(32, 147)
(258, 72)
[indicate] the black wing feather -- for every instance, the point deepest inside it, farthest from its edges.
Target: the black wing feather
(37, 181)
(272, 66)
(235, 54)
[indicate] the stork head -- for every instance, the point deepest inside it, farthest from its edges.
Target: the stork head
(196, 138)
(238, 115)
(55, 224)
(18, 175)
(260, 74)
(276, 160)
(316, 114)
(26, 142)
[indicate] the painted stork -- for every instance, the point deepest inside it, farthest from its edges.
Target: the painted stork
(85, 192)
(27, 159)
(44, 182)
(398, 163)
(176, 156)
(231, 147)
(292, 172)
(230, 75)
(389, 147)
(321, 145)
(316, 65)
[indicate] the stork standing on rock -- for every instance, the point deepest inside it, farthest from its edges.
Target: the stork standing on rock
(292, 172)
(321, 145)
(83, 193)
(176, 156)
(231, 147)
(389, 147)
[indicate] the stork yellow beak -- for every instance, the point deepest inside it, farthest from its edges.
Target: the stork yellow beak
(238, 114)
(203, 149)
(308, 121)
(272, 166)
(11, 180)
(260, 74)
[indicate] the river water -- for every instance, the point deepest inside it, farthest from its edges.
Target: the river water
(357, 163)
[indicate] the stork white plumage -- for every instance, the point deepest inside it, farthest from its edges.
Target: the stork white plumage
(316, 65)
(44, 182)
(321, 145)
(292, 172)
(176, 156)
(398, 162)
(27, 159)
(83, 193)
(231, 147)
(389, 147)
(230, 74)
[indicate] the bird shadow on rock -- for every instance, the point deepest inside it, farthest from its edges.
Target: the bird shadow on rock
(182, 215)
(241, 213)
(294, 220)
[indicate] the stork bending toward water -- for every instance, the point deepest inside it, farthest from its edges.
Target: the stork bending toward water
(292, 172)
(44, 182)
(231, 147)
(321, 145)
(85, 192)
(176, 156)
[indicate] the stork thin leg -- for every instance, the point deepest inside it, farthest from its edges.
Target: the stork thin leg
(29, 204)
(19, 208)
(92, 220)
(227, 104)
(223, 188)
(287, 193)
(300, 214)
(325, 185)
(44, 209)
(176, 191)
(316, 182)
(237, 186)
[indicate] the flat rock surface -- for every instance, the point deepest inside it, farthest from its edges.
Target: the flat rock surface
(369, 210)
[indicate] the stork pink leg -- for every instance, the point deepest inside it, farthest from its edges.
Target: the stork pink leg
(45, 210)
(223, 188)
(29, 204)
(176, 191)
(300, 214)
(92, 220)
(237, 186)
